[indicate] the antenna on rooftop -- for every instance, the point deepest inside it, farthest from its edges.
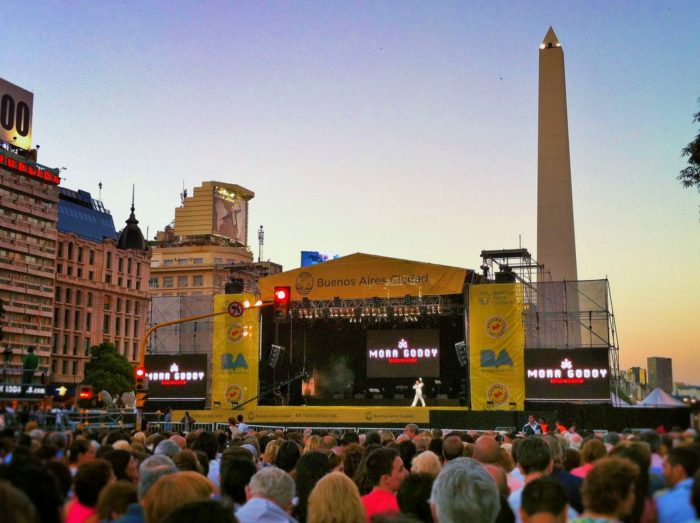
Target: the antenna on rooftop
(183, 194)
(99, 197)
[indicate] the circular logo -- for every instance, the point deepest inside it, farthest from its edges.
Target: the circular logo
(235, 333)
(234, 394)
(369, 416)
(484, 297)
(496, 326)
(304, 283)
(235, 308)
(251, 415)
(498, 394)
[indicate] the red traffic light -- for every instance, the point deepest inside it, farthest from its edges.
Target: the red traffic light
(85, 392)
(282, 294)
(140, 372)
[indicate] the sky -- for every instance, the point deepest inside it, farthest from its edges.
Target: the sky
(399, 128)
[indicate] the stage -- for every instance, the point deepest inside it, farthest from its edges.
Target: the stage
(585, 416)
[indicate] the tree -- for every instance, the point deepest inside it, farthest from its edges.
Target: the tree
(108, 370)
(690, 176)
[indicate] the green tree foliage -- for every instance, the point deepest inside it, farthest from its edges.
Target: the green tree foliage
(690, 176)
(108, 370)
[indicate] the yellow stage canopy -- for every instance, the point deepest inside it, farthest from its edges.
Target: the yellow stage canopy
(366, 276)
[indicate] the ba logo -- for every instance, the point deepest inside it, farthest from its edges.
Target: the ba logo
(488, 358)
(497, 394)
(228, 363)
(496, 326)
(304, 283)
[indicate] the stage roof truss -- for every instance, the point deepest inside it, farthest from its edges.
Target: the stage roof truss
(407, 309)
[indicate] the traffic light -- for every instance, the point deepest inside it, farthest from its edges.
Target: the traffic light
(141, 380)
(282, 297)
(85, 396)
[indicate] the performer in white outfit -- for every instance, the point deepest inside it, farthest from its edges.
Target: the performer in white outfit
(418, 387)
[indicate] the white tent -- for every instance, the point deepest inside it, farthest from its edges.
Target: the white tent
(662, 399)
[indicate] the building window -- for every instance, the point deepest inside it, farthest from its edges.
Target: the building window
(128, 266)
(198, 261)
(108, 302)
(70, 250)
(91, 257)
(58, 293)
(56, 317)
(182, 281)
(120, 281)
(66, 319)
(217, 261)
(108, 278)
(75, 367)
(80, 255)
(60, 250)
(64, 367)
(134, 350)
(88, 321)
(69, 270)
(91, 275)
(59, 268)
(65, 344)
(89, 300)
(76, 320)
(198, 281)
(105, 325)
(137, 307)
(120, 264)
(119, 304)
(128, 306)
(127, 324)
(153, 283)
(117, 326)
(136, 328)
(109, 260)
(182, 261)
(68, 293)
(168, 281)
(87, 346)
(128, 284)
(138, 269)
(167, 263)
(138, 285)
(76, 346)
(80, 272)
(78, 297)
(54, 346)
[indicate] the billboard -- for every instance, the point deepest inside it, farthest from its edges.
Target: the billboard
(230, 216)
(314, 257)
(177, 377)
(16, 106)
(403, 353)
(567, 374)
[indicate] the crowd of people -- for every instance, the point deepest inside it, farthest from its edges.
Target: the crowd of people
(539, 474)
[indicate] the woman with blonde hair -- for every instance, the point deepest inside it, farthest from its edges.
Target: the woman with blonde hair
(427, 462)
(312, 443)
(335, 499)
(174, 490)
(270, 454)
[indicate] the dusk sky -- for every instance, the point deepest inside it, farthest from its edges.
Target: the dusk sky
(404, 129)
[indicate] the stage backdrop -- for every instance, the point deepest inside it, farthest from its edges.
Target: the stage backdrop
(367, 276)
(235, 352)
(497, 346)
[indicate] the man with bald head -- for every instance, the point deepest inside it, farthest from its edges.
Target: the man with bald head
(487, 450)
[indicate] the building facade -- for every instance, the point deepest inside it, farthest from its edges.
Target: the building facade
(28, 214)
(101, 285)
(660, 373)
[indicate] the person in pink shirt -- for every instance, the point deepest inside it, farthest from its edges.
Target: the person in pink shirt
(90, 479)
(592, 451)
(386, 471)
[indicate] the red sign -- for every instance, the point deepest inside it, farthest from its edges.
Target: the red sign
(29, 169)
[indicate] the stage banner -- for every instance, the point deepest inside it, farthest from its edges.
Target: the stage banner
(234, 373)
(366, 276)
(497, 346)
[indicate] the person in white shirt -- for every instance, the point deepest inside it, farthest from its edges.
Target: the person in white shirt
(418, 387)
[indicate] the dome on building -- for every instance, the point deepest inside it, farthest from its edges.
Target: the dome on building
(131, 236)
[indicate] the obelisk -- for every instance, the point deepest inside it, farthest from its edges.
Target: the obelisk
(556, 242)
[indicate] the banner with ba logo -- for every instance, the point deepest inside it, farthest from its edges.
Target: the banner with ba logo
(235, 351)
(497, 346)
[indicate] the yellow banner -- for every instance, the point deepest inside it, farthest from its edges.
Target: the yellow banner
(367, 276)
(318, 415)
(497, 346)
(234, 378)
